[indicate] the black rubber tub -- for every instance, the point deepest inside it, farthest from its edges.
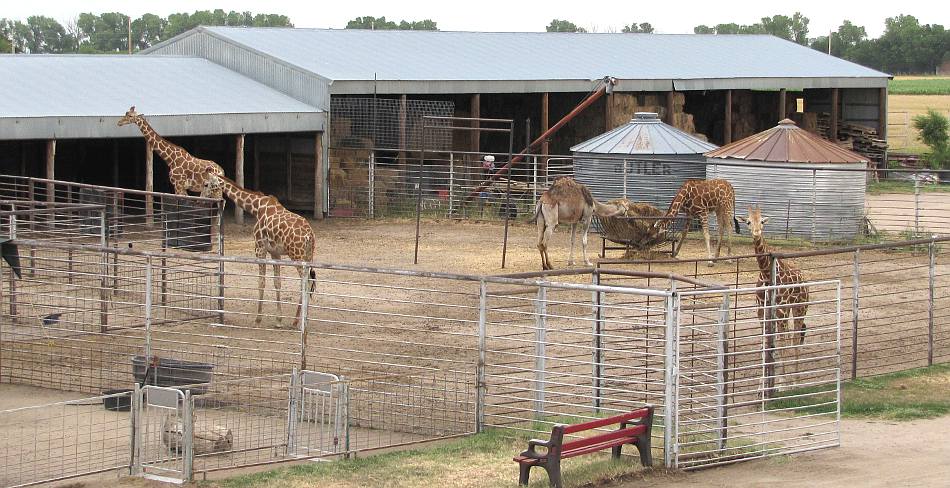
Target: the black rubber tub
(118, 403)
(174, 373)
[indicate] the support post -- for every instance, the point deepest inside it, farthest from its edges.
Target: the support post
(930, 305)
(671, 383)
(670, 107)
(916, 208)
(545, 125)
(835, 113)
(239, 174)
(11, 274)
(148, 309)
(304, 305)
(149, 185)
(257, 162)
(451, 183)
(476, 110)
(188, 437)
(539, 351)
(727, 126)
(608, 111)
(403, 140)
(480, 385)
(319, 184)
(782, 104)
(50, 169)
(103, 276)
(769, 331)
(722, 376)
(598, 350)
(882, 114)
(220, 262)
(289, 154)
(371, 176)
(855, 311)
(115, 163)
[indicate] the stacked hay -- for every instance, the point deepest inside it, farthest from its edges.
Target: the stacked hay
(624, 105)
(635, 228)
(349, 178)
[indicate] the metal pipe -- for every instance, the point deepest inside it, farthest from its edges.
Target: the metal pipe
(930, 305)
(507, 209)
(855, 312)
(480, 385)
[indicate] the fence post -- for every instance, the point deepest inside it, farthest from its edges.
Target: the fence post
(135, 414)
(916, 207)
(372, 185)
(670, 383)
(722, 378)
(148, 310)
(188, 437)
(539, 351)
(534, 186)
(220, 262)
(292, 399)
(930, 305)
(451, 183)
(304, 305)
(770, 330)
(855, 312)
(625, 167)
(480, 366)
(598, 352)
(103, 276)
(13, 278)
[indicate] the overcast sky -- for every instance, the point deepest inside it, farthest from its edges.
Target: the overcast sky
(493, 15)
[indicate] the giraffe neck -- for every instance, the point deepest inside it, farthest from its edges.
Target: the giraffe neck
(251, 201)
(675, 206)
(158, 143)
(763, 256)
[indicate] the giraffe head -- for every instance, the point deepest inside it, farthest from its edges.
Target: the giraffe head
(130, 117)
(213, 187)
(755, 221)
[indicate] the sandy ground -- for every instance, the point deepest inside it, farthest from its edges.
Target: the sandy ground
(894, 212)
(872, 454)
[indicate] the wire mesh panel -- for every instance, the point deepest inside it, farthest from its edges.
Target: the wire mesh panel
(318, 417)
(386, 123)
(163, 433)
(68, 439)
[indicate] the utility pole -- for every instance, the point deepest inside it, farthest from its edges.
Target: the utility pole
(130, 35)
(829, 40)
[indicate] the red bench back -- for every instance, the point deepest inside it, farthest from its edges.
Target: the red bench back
(593, 424)
(607, 436)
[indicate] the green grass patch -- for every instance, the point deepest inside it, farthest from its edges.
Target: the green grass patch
(892, 186)
(919, 86)
(906, 395)
(482, 460)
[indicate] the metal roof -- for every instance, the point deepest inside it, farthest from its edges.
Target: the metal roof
(644, 134)
(76, 96)
(787, 143)
(410, 61)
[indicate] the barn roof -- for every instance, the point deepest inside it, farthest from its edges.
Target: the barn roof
(357, 61)
(644, 134)
(77, 96)
(787, 143)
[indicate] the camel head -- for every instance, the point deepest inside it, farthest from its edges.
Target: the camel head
(129, 117)
(213, 187)
(755, 221)
(609, 209)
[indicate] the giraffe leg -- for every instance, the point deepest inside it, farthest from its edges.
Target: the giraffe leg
(280, 316)
(300, 272)
(262, 277)
(723, 222)
(705, 223)
(570, 260)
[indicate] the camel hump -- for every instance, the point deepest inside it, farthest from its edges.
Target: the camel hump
(566, 188)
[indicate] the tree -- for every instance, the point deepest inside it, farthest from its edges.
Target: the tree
(380, 23)
(563, 26)
(46, 35)
(843, 42)
(148, 30)
(794, 28)
(933, 128)
(103, 33)
(704, 29)
(643, 27)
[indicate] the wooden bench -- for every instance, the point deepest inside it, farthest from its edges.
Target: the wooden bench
(634, 428)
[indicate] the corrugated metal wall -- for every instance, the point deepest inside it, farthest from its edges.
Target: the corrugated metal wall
(814, 203)
(641, 179)
(294, 82)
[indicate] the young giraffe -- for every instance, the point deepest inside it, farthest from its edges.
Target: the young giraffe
(697, 198)
(791, 304)
(568, 202)
(185, 171)
(277, 231)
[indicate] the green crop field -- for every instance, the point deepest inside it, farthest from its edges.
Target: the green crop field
(919, 86)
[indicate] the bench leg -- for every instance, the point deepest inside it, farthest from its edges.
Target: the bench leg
(524, 471)
(644, 447)
(554, 473)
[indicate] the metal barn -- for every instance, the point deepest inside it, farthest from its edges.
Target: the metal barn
(644, 160)
(809, 187)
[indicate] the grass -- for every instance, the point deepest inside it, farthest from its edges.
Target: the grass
(919, 86)
(482, 460)
(920, 393)
(893, 186)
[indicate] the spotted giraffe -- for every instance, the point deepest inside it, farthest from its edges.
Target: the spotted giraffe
(277, 232)
(185, 171)
(791, 303)
(697, 198)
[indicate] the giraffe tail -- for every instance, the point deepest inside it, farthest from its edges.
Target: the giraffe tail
(313, 280)
(735, 223)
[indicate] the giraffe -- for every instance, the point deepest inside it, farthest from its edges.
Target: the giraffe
(185, 171)
(568, 202)
(277, 231)
(790, 303)
(697, 198)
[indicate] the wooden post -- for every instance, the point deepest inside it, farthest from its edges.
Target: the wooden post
(670, 118)
(22, 146)
(403, 111)
(255, 142)
(882, 114)
(782, 108)
(833, 130)
(608, 112)
(290, 173)
(727, 127)
(545, 125)
(50, 169)
(149, 184)
(115, 163)
(239, 174)
(318, 183)
(476, 109)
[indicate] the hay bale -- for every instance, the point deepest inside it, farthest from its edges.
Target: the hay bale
(635, 228)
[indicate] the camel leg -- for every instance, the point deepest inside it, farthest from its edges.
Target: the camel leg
(706, 237)
(545, 233)
(585, 231)
(542, 244)
(570, 260)
(280, 316)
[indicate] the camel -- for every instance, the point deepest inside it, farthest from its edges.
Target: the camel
(568, 202)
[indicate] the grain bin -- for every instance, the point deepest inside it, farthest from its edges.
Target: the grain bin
(809, 187)
(644, 160)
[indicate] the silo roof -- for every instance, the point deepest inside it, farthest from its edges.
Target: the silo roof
(787, 143)
(644, 134)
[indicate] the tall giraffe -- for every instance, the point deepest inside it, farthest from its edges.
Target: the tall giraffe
(697, 198)
(277, 231)
(790, 303)
(185, 171)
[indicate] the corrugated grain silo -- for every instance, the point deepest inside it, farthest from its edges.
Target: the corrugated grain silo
(644, 160)
(800, 181)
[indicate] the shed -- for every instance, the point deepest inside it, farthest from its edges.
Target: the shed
(644, 160)
(809, 187)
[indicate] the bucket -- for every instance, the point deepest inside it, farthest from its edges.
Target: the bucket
(118, 403)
